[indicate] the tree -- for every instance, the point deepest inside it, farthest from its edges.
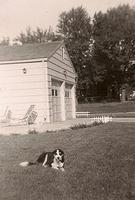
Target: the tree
(37, 36)
(5, 41)
(114, 47)
(75, 28)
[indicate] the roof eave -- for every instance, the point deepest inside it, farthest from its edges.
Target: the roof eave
(24, 61)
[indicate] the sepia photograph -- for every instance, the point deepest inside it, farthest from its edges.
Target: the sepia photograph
(67, 100)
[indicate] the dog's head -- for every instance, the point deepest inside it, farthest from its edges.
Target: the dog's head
(59, 155)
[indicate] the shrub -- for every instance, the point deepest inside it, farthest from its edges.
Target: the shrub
(33, 131)
(84, 125)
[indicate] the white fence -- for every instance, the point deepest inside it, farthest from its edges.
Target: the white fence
(94, 117)
(82, 114)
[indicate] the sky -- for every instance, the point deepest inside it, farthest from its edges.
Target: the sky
(17, 15)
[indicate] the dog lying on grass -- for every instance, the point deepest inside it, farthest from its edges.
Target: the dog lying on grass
(53, 159)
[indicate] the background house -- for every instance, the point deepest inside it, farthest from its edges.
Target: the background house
(41, 75)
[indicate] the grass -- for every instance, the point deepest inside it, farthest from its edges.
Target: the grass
(117, 109)
(100, 165)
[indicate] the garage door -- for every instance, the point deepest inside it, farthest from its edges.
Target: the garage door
(68, 101)
(56, 101)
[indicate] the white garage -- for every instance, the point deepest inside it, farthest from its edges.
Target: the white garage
(41, 75)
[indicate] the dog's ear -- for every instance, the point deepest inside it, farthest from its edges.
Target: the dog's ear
(60, 151)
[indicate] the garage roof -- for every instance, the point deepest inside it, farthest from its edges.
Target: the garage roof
(28, 51)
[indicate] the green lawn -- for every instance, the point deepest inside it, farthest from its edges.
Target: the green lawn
(115, 107)
(100, 165)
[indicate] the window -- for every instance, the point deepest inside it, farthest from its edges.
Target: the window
(67, 94)
(54, 92)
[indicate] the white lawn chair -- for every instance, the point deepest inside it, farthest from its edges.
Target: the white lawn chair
(29, 117)
(6, 116)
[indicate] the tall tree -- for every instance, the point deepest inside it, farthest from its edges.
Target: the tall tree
(75, 28)
(114, 47)
(37, 36)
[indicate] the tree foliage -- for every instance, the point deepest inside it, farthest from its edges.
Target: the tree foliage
(75, 28)
(37, 36)
(114, 47)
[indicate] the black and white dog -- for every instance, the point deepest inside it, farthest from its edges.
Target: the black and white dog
(53, 159)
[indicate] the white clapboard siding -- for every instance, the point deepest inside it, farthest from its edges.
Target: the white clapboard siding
(18, 90)
(21, 93)
(17, 70)
(66, 60)
(57, 66)
(61, 65)
(23, 78)
(25, 86)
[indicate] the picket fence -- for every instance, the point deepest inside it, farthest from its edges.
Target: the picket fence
(94, 117)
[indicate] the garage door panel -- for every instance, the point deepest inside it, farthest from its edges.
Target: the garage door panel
(68, 101)
(56, 100)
